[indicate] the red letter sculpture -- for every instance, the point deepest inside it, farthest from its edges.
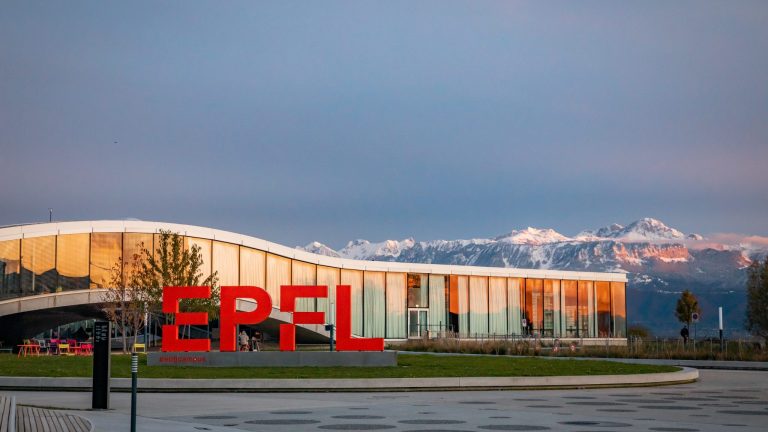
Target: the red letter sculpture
(171, 296)
(230, 317)
(344, 340)
(288, 295)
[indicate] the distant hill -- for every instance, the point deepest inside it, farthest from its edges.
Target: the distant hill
(660, 262)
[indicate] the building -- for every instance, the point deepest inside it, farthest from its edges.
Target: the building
(54, 272)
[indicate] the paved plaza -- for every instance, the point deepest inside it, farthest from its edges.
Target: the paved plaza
(720, 401)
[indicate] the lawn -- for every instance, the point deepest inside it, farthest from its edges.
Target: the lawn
(409, 366)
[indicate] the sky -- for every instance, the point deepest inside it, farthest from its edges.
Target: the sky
(330, 121)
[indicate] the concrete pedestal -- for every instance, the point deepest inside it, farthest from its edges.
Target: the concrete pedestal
(273, 359)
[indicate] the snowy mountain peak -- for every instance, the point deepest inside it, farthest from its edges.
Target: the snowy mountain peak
(319, 248)
(647, 229)
(533, 236)
(363, 249)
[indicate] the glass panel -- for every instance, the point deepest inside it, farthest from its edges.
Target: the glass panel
(252, 267)
(463, 288)
(515, 311)
(437, 311)
(453, 303)
(413, 323)
(478, 305)
(72, 261)
(304, 274)
(571, 316)
(278, 274)
(603, 291)
(10, 268)
(106, 251)
(586, 309)
(418, 290)
(205, 251)
(225, 260)
(374, 308)
(396, 300)
(557, 311)
(354, 278)
(497, 301)
(330, 277)
(534, 306)
(618, 295)
(549, 309)
(38, 262)
(133, 245)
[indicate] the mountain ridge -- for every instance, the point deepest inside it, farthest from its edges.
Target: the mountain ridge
(660, 262)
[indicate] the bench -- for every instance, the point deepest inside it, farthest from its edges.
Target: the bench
(7, 414)
(32, 419)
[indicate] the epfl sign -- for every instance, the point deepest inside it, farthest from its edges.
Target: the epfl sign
(229, 317)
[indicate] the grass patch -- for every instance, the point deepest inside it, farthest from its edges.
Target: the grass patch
(409, 366)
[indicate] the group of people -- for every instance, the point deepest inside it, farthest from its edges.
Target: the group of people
(249, 344)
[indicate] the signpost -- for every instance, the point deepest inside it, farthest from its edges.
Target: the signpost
(102, 348)
(695, 318)
(720, 315)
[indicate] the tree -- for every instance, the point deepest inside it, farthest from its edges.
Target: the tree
(125, 301)
(756, 321)
(172, 264)
(687, 304)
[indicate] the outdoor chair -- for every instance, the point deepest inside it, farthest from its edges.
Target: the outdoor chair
(139, 346)
(64, 349)
(53, 347)
(44, 347)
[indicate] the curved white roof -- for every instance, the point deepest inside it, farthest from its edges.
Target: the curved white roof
(119, 226)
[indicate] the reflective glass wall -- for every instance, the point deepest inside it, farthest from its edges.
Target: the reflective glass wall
(472, 306)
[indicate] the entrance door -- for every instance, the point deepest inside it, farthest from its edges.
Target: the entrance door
(417, 323)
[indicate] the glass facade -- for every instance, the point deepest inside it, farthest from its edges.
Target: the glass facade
(393, 305)
(72, 262)
(603, 296)
(396, 299)
(10, 268)
(38, 265)
(497, 306)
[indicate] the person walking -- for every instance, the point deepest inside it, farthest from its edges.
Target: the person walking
(684, 334)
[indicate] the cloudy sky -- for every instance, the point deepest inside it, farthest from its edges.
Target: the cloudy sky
(299, 121)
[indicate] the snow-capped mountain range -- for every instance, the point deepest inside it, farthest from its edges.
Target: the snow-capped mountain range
(660, 261)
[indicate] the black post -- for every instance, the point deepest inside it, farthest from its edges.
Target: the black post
(102, 341)
(329, 327)
(134, 385)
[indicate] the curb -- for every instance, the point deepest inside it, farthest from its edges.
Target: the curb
(161, 385)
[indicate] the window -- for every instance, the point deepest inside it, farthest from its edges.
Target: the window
(514, 294)
(437, 308)
(106, 252)
(354, 278)
(603, 290)
(225, 260)
(570, 308)
(328, 276)
(478, 305)
(618, 296)
(304, 274)
(134, 245)
(534, 306)
(38, 262)
(497, 302)
(72, 261)
(418, 291)
(396, 302)
(586, 309)
(278, 273)
(374, 308)
(10, 268)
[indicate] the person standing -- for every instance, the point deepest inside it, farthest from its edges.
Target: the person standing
(243, 341)
(684, 334)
